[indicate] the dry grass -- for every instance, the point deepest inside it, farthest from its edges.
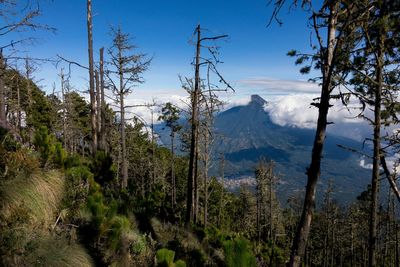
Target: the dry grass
(58, 252)
(39, 195)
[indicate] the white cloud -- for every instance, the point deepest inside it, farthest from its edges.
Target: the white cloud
(365, 165)
(392, 163)
(288, 105)
(272, 86)
(295, 111)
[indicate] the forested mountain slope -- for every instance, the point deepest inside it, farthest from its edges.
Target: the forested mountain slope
(246, 133)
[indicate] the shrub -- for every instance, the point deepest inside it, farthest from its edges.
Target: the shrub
(165, 258)
(238, 253)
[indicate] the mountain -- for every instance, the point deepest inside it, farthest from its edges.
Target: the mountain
(247, 133)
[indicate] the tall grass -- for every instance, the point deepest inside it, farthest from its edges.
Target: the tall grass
(53, 251)
(39, 195)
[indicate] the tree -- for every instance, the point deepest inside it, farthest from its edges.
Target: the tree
(195, 93)
(334, 18)
(170, 115)
(124, 72)
(374, 65)
(15, 16)
(91, 78)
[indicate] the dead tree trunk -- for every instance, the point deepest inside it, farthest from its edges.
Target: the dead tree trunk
(313, 172)
(173, 170)
(206, 166)
(192, 155)
(18, 106)
(103, 103)
(98, 107)
(91, 78)
(3, 122)
(123, 135)
(64, 113)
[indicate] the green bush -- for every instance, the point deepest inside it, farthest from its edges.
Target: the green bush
(165, 258)
(50, 150)
(238, 253)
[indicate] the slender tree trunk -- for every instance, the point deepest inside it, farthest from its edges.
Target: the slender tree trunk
(221, 199)
(64, 119)
(173, 170)
(191, 172)
(3, 122)
(153, 153)
(18, 106)
(258, 215)
(28, 72)
(91, 78)
(313, 172)
(377, 151)
(98, 106)
(206, 161)
(103, 103)
(196, 180)
(123, 136)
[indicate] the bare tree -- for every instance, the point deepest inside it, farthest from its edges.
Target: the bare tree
(124, 71)
(91, 77)
(192, 181)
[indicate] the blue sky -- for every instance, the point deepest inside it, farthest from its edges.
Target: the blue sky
(162, 29)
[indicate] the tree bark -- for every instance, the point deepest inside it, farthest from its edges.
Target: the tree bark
(91, 78)
(206, 166)
(64, 119)
(123, 136)
(313, 172)
(173, 170)
(3, 121)
(103, 102)
(191, 172)
(377, 150)
(98, 107)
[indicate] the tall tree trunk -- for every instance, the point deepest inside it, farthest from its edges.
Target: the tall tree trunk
(3, 122)
(191, 172)
(196, 180)
(206, 162)
(18, 106)
(103, 102)
(377, 148)
(98, 106)
(91, 78)
(123, 137)
(28, 72)
(221, 199)
(173, 170)
(313, 172)
(64, 119)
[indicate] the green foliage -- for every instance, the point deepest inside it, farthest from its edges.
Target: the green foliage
(238, 253)
(271, 254)
(77, 185)
(165, 258)
(49, 149)
(103, 168)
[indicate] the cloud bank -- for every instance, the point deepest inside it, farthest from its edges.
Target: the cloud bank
(273, 86)
(295, 111)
